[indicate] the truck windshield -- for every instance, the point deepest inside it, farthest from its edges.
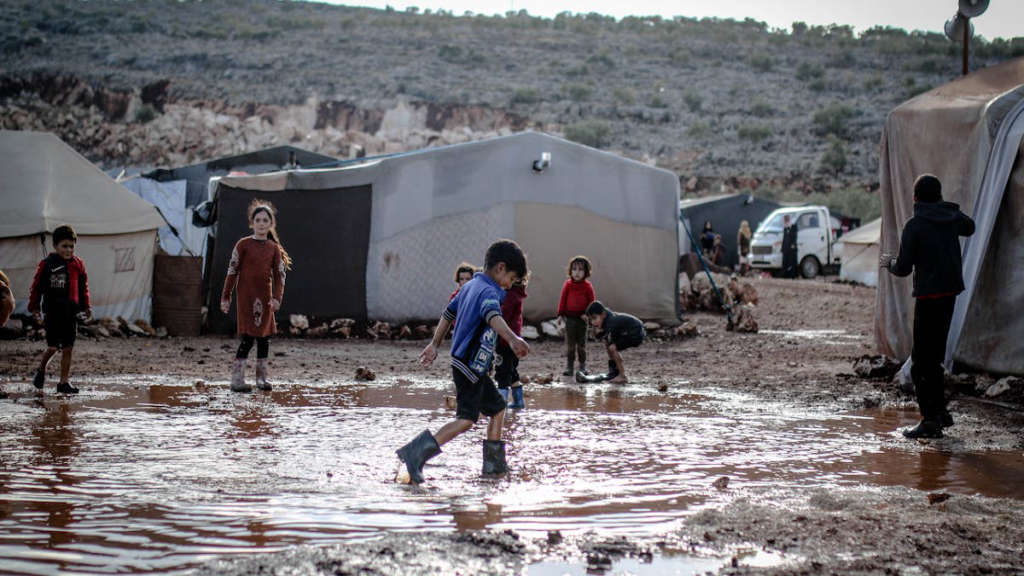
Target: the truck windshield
(773, 224)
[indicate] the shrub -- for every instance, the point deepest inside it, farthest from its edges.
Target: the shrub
(833, 161)
(623, 95)
(658, 102)
(145, 114)
(762, 109)
(577, 92)
(806, 71)
(762, 63)
(593, 133)
(699, 130)
(693, 101)
(754, 132)
(833, 119)
(525, 96)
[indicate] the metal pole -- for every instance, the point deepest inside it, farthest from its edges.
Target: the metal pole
(967, 39)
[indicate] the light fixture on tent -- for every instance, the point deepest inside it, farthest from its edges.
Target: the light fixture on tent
(960, 29)
(544, 162)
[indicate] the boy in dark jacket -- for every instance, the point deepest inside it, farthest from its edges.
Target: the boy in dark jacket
(477, 307)
(930, 248)
(63, 287)
(619, 332)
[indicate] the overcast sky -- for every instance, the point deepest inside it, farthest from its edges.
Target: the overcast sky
(1004, 18)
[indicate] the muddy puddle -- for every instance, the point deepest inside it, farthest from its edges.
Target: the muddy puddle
(145, 474)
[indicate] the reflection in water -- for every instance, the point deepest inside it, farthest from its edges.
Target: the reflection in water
(158, 478)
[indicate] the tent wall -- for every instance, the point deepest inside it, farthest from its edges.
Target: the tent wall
(169, 198)
(860, 263)
(119, 266)
(725, 214)
(326, 233)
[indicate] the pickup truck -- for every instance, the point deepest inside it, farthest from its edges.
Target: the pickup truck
(817, 232)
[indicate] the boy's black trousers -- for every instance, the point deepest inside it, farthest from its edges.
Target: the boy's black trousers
(932, 317)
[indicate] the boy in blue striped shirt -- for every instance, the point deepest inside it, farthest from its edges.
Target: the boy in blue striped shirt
(477, 307)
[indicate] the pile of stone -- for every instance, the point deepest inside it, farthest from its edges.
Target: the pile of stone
(26, 327)
(736, 294)
(346, 328)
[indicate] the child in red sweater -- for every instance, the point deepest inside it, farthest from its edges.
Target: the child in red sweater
(506, 371)
(577, 294)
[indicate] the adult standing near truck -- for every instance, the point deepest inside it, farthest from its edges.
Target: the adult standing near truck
(930, 248)
(789, 255)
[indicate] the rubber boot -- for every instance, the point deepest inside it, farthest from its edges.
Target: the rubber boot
(924, 429)
(504, 394)
(946, 419)
(517, 398)
(416, 453)
(39, 379)
(261, 375)
(238, 376)
(569, 363)
(613, 370)
(66, 388)
(494, 458)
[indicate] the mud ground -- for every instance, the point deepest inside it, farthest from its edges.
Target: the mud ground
(811, 332)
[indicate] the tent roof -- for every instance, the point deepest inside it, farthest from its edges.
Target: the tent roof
(974, 90)
(866, 234)
(700, 201)
(48, 184)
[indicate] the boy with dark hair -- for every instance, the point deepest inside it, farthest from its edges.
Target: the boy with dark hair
(477, 307)
(619, 331)
(930, 248)
(62, 285)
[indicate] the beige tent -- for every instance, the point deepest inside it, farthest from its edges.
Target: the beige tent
(48, 184)
(968, 133)
(858, 252)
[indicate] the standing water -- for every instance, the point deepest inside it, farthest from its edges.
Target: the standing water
(145, 474)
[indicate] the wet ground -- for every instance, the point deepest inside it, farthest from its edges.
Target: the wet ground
(727, 453)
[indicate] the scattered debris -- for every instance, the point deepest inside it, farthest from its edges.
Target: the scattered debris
(662, 387)
(876, 367)
(722, 483)
(745, 320)
(937, 497)
(299, 321)
(530, 333)
(554, 328)
(364, 374)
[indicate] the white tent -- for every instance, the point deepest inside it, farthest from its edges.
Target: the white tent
(967, 132)
(381, 238)
(49, 184)
(858, 252)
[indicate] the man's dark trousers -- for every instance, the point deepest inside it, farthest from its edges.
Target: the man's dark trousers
(932, 317)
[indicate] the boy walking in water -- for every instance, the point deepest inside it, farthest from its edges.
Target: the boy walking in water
(930, 248)
(61, 289)
(477, 306)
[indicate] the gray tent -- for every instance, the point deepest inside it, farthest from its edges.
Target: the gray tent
(380, 239)
(967, 132)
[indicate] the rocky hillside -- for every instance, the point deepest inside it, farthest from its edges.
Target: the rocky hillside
(718, 101)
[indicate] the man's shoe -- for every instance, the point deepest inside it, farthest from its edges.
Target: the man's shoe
(416, 453)
(39, 379)
(924, 429)
(946, 419)
(66, 388)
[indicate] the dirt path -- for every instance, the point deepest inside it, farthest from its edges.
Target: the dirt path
(810, 333)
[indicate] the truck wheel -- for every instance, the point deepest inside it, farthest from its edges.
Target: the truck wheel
(810, 267)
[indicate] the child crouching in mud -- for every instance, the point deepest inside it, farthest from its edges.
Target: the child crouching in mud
(477, 307)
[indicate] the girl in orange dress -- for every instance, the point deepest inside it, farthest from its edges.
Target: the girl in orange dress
(257, 269)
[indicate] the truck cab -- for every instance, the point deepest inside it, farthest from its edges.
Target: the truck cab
(817, 231)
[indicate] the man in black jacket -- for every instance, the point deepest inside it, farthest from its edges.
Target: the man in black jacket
(930, 248)
(789, 245)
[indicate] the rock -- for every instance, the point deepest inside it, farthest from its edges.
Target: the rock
(1001, 386)
(404, 333)
(130, 328)
(343, 332)
(662, 387)
(145, 327)
(318, 331)
(339, 323)
(97, 331)
(423, 331)
(722, 483)
(543, 379)
(651, 326)
(688, 329)
(379, 330)
(161, 332)
(113, 327)
(364, 374)
(553, 328)
(554, 537)
(876, 367)
(937, 497)
(744, 321)
(530, 332)
(298, 322)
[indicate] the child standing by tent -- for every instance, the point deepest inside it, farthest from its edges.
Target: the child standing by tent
(258, 267)
(63, 287)
(507, 370)
(477, 306)
(577, 294)
(930, 248)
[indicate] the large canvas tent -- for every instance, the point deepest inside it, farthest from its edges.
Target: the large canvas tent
(48, 184)
(725, 212)
(858, 252)
(380, 239)
(967, 132)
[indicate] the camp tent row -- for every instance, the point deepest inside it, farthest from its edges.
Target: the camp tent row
(968, 133)
(48, 184)
(379, 238)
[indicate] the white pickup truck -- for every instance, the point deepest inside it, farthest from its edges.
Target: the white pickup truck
(817, 231)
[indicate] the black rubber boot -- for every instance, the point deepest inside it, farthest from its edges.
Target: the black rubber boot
(613, 370)
(66, 388)
(416, 453)
(946, 419)
(569, 371)
(924, 429)
(39, 379)
(494, 458)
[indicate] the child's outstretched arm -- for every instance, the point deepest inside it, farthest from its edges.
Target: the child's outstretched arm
(430, 352)
(518, 345)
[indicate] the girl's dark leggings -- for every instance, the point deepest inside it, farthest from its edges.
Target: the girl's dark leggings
(262, 347)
